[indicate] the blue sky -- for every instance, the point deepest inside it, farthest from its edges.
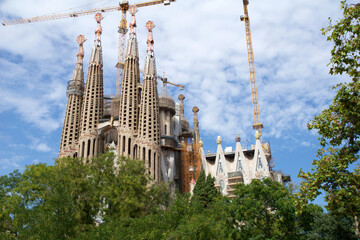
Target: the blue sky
(199, 44)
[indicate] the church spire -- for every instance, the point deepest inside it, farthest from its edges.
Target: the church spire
(149, 121)
(76, 84)
(130, 94)
(74, 92)
(132, 47)
(150, 67)
(96, 54)
(93, 100)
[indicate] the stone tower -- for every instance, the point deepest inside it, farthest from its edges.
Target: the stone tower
(149, 129)
(74, 92)
(196, 124)
(185, 126)
(92, 108)
(130, 95)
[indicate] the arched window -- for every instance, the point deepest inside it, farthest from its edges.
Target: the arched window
(222, 186)
(154, 164)
(82, 149)
(143, 155)
(259, 163)
(88, 148)
(129, 146)
(239, 164)
(94, 150)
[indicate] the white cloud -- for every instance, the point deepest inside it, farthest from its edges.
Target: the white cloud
(305, 144)
(200, 44)
(39, 146)
(13, 162)
(42, 147)
(32, 109)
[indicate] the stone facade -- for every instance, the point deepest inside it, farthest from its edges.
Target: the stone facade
(142, 125)
(75, 90)
(230, 167)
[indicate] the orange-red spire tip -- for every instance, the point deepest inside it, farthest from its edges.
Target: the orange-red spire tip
(98, 31)
(150, 41)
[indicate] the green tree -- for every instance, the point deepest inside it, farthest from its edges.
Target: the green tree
(68, 198)
(9, 205)
(205, 191)
(265, 209)
(336, 171)
(328, 226)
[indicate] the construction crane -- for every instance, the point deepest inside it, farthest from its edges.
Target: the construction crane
(257, 124)
(165, 82)
(124, 6)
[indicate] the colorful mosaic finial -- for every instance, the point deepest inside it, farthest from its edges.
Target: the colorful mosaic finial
(150, 41)
(257, 135)
(80, 39)
(133, 10)
(98, 31)
(218, 140)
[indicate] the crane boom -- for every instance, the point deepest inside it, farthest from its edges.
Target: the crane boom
(80, 13)
(257, 123)
(177, 85)
(165, 81)
(123, 7)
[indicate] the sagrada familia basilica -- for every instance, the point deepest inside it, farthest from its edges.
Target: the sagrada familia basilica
(144, 126)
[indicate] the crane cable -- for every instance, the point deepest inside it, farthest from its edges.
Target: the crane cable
(74, 8)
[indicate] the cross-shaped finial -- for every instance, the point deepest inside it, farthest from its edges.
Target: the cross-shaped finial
(81, 39)
(98, 17)
(133, 10)
(150, 25)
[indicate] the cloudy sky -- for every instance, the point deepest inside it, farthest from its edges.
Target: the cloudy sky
(200, 44)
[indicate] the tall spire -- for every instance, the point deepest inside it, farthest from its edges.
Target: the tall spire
(76, 84)
(150, 67)
(130, 94)
(149, 120)
(74, 92)
(93, 100)
(132, 47)
(96, 54)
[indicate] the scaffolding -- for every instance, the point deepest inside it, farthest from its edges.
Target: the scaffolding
(190, 164)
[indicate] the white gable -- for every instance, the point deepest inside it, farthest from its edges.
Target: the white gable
(260, 164)
(241, 163)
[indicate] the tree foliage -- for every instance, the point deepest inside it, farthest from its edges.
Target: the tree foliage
(77, 199)
(336, 171)
(328, 226)
(204, 192)
(265, 209)
(61, 201)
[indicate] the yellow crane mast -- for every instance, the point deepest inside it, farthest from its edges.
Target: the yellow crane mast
(124, 6)
(257, 123)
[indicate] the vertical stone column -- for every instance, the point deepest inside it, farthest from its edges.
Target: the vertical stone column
(93, 101)
(74, 92)
(130, 92)
(149, 120)
(196, 125)
(181, 98)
